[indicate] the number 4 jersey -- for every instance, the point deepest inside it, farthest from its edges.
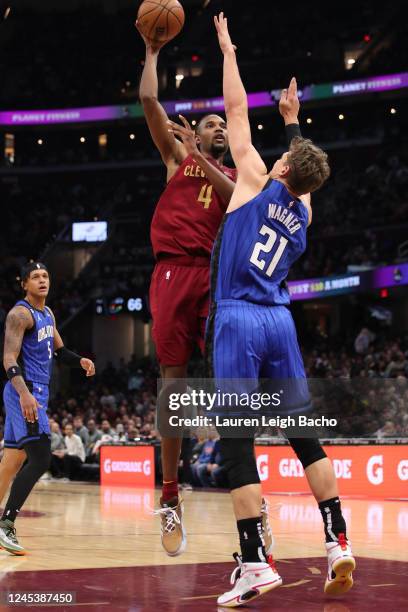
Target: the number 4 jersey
(189, 212)
(256, 246)
(37, 348)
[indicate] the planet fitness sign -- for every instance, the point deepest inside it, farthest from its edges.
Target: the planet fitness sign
(323, 91)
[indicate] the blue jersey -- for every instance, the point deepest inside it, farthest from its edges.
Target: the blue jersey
(37, 348)
(256, 246)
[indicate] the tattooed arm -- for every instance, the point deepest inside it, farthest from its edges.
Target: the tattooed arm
(17, 322)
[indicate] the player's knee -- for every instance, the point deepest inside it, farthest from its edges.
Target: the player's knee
(11, 467)
(238, 459)
(308, 450)
(39, 455)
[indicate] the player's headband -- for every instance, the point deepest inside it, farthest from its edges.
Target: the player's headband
(30, 267)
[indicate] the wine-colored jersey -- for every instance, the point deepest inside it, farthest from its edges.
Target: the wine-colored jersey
(189, 212)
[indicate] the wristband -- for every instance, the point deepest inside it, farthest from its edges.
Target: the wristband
(292, 131)
(15, 370)
(67, 357)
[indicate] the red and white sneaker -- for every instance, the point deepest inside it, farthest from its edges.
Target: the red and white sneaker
(249, 580)
(341, 565)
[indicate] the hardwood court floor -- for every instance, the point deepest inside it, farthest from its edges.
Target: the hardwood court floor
(104, 543)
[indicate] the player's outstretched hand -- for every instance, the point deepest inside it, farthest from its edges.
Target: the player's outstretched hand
(88, 366)
(289, 103)
(152, 47)
(221, 25)
(185, 133)
(29, 407)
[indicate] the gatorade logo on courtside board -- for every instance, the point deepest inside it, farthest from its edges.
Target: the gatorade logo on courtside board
(263, 468)
(402, 469)
(375, 470)
(137, 467)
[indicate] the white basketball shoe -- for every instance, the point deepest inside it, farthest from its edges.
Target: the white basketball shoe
(249, 580)
(341, 565)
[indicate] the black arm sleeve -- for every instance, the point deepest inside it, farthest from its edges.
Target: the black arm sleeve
(67, 357)
(292, 130)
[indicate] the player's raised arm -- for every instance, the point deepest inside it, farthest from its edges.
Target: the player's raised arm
(172, 151)
(249, 163)
(289, 106)
(18, 321)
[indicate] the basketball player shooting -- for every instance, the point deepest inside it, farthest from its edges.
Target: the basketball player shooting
(251, 333)
(30, 344)
(184, 227)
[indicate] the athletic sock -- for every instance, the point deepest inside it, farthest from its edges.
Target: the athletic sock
(10, 514)
(251, 540)
(169, 490)
(334, 523)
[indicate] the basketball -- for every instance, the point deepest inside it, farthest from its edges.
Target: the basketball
(160, 20)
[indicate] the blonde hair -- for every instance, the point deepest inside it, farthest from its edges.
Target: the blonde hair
(309, 167)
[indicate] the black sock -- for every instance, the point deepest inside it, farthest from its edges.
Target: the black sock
(38, 461)
(333, 519)
(251, 540)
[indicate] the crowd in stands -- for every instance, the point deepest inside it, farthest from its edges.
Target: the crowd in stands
(359, 220)
(74, 68)
(365, 383)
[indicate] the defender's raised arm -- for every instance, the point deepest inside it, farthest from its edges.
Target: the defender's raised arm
(247, 160)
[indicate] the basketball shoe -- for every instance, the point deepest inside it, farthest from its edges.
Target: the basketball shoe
(341, 564)
(249, 580)
(173, 535)
(266, 527)
(8, 538)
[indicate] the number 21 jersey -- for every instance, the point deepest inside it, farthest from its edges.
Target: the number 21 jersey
(189, 212)
(256, 246)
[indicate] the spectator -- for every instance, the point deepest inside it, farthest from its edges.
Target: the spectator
(94, 435)
(363, 341)
(72, 457)
(107, 429)
(57, 439)
(80, 430)
(212, 473)
(199, 469)
(389, 430)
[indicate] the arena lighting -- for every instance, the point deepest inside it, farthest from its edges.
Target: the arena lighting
(260, 126)
(341, 117)
(40, 141)
(351, 61)
(393, 111)
(179, 77)
(194, 122)
(132, 136)
(309, 120)
(82, 139)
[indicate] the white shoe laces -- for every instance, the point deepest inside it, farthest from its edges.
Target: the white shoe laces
(172, 518)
